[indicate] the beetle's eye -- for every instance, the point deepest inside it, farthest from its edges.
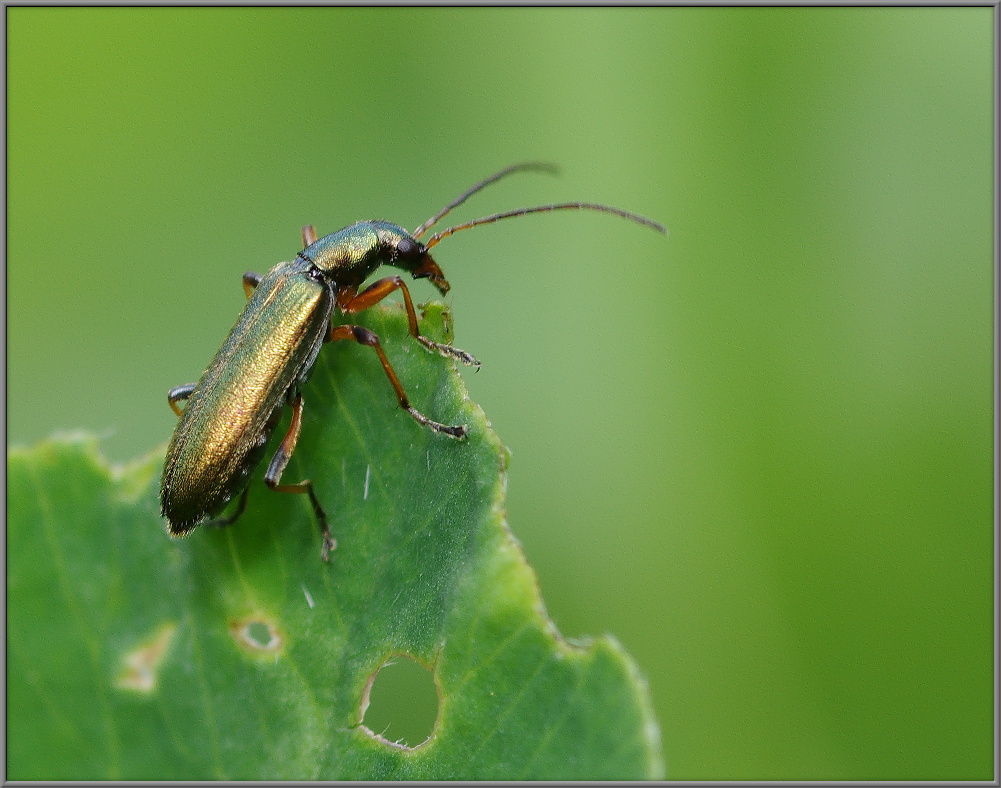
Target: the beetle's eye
(408, 248)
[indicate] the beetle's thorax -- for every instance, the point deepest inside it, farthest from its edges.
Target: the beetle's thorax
(348, 256)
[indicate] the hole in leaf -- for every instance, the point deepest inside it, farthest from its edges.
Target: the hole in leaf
(256, 635)
(401, 703)
(259, 634)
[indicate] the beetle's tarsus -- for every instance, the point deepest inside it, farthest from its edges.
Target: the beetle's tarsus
(447, 350)
(458, 431)
(329, 543)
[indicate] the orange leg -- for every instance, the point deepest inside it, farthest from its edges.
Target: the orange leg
(381, 288)
(363, 336)
(308, 235)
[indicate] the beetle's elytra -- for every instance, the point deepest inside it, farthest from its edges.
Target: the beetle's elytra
(232, 411)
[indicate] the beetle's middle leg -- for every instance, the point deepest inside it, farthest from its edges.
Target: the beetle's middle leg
(250, 283)
(363, 336)
(277, 467)
(381, 288)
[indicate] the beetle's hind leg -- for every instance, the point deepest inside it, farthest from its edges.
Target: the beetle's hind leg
(177, 394)
(381, 288)
(277, 467)
(363, 336)
(241, 506)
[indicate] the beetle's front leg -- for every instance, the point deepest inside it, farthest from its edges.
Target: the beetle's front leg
(277, 467)
(378, 290)
(363, 336)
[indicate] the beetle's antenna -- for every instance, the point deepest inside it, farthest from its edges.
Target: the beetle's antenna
(590, 206)
(540, 166)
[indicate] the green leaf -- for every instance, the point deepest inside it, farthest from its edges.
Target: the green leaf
(238, 654)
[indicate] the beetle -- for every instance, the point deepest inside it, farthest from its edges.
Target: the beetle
(232, 411)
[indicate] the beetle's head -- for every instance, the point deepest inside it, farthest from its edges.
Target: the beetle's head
(401, 249)
(412, 256)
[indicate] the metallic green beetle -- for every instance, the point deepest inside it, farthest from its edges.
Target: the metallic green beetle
(268, 355)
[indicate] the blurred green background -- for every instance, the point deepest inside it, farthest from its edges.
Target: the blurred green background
(758, 451)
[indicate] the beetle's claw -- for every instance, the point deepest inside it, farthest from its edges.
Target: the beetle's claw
(459, 431)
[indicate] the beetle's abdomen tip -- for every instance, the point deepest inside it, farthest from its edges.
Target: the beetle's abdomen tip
(178, 526)
(177, 530)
